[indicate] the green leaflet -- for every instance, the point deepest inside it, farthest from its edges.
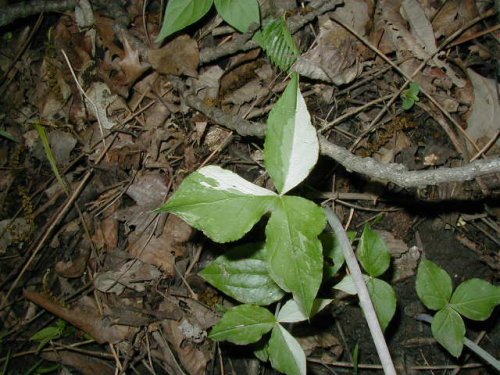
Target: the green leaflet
(285, 352)
(373, 253)
(295, 254)
(220, 203)
(448, 329)
(433, 285)
(182, 13)
(475, 299)
(239, 14)
(244, 324)
(384, 300)
(276, 40)
(291, 148)
(242, 274)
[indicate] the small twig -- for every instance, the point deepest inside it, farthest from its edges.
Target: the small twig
(28, 8)
(362, 291)
(470, 344)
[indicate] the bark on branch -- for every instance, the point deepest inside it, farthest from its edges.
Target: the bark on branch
(398, 174)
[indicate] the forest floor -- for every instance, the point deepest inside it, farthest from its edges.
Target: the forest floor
(100, 124)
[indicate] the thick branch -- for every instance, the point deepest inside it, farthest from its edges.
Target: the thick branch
(396, 173)
(14, 12)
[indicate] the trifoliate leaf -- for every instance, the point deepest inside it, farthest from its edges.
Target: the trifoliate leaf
(220, 203)
(291, 147)
(242, 274)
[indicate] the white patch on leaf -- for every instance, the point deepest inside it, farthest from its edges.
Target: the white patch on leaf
(305, 146)
(231, 182)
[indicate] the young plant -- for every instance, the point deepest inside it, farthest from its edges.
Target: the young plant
(182, 13)
(47, 334)
(375, 258)
(225, 207)
(474, 299)
(410, 96)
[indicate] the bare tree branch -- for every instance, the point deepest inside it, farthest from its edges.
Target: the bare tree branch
(14, 12)
(396, 173)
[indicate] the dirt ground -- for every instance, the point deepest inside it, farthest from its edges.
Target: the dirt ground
(100, 124)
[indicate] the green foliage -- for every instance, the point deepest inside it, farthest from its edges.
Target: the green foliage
(291, 259)
(182, 13)
(42, 133)
(47, 334)
(239, 14)
(276, 40)
(244, 324)
(210, 198)
(474, 299)
(433, 285)
(242, 274)
(7, 135)
(375, 259)
(410, 96)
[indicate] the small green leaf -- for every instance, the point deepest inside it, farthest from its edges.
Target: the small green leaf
(434, 285)
(295, 255)
(291, 148)
(333, 252)
(276, 40)
(408, 103)
(182, 13)
(292, 313)
(384, 300)
(475, 299)
(239, 14)
(347, 285)
(211, 199)
(285, 352)
(242, 274)
(448, 329)
(7, 135)
(414, 90)
(373, 253)
(243, 325)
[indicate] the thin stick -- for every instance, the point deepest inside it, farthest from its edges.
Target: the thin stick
(364, 298)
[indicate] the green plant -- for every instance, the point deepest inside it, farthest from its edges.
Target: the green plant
(410, 96)
(225, 207)
(182, 13)
(375, 258)
(53, 332)
(474, 299)
(276, 40)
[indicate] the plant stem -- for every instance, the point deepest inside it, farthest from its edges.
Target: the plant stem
(364, 298)
(470, 344)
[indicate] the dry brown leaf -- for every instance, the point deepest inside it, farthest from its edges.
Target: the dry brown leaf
(335, 56)
(191, 357)
(133, 275)
(483, 122)
(320, 340)
(84, 364)
(179, 57)
(452, 16)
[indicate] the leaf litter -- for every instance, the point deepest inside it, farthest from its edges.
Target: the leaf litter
(127, 276)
